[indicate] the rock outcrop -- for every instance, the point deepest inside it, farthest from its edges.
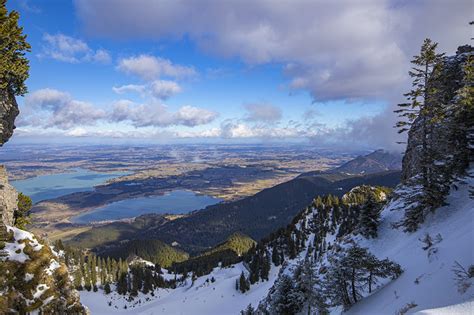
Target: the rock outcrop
(8, 198)
(448, 144)
(8, 112)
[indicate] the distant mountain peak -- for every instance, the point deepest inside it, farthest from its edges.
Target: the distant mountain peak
(378, 161)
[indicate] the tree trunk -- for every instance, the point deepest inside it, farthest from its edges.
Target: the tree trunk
(370, 282)
(354, 295)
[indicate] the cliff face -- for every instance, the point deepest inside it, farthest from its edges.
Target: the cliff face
(8, 112)
(449, 145)
(8, 195)
(8, 198)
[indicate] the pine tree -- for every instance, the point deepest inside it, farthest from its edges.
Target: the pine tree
(78, 279)
(286, 300)
(369, 217)
(14, 65)
(107, 289)
(122, 285)
(353, 270)
(248, 311)
(422, 107)
(93, 268)
(243, 283)
(265, 267)
(305, 278)
(275, 256)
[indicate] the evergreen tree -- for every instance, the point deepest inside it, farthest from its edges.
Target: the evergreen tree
(423, 107)
(286, 300)
(107, 289)
(275, 256)
(305, 278)
(93, 268)
(248, 311)
(14, 65)
(265, 267)
(369, 217)
(122, 285)
(353, 270)
(21, 215)
(243, 283)
(78, 279)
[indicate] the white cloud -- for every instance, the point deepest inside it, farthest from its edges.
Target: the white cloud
(192, 116)
(262, 112)
(160, 89)
(163, 89)
(50, 108)
(157, 115)
(129, 88)
(150, 67)
(68, 49)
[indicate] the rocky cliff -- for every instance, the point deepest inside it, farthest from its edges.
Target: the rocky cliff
(8, 195)
(8, 198)
(8, 112)
(450, 143)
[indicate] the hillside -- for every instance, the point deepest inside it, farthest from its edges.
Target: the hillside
(154, 251)
(377, 161)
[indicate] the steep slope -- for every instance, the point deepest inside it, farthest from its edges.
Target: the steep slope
(428, 280)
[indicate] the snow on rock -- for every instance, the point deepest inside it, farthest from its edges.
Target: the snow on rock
(52, 266)
(14, 249)
(201, 297)
(28, 277)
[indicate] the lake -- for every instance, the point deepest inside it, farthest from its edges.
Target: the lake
(52, 186)
(174, 202)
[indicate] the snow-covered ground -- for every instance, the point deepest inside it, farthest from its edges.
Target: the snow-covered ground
(461, 308)
(202, 297)
(428, 280)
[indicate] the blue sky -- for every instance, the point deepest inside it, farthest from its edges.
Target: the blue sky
(224, 71)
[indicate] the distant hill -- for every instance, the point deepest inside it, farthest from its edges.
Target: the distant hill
(155, 251)
(377, 161)
(227, 253)
(238, 243)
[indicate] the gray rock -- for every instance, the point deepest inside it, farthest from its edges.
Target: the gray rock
(8, 198)
(8, 112)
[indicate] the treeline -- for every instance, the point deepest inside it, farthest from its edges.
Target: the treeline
(357, 211)
(91, 272)
(224, 254)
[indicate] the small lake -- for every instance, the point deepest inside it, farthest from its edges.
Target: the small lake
(52, 186)
(174, 202)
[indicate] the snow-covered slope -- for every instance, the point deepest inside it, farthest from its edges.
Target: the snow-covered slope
(428, 280)
(203, 297)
